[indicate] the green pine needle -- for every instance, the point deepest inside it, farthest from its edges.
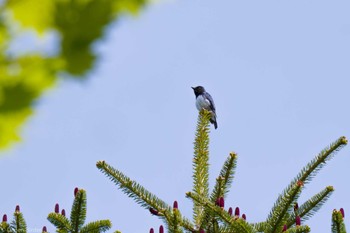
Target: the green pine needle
(78, 213)
(131, 188)
(224, 181)
(96, 227)
(201, 163)
(299, 229)
(305, 176)
(260, 227)
(5, 227)
(231, 223)
(311, 169)
(18, 224)
(338, 225)
(279, 214)
(221, 188)
(175, 223)
(78, 216)
(311, 206)
(141, 195)
(60, 222)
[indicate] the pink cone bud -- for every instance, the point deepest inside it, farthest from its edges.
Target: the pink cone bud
(63, 212)
(222, 202)
(75, 191)
(161, 229)
(230, 211)
(44, 229)
(237, 211)
(297, 221)
(296, 206)
(17, 208)
(175, 206)
(342, 212)
(4, 218)
(217, 202)
(201, 231)
(300, 183)
(151, 230)
(244, 217)
(284, 228)
(57, 208)
(153, 211)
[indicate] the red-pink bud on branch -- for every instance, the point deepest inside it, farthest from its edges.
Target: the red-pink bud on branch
(57, 208)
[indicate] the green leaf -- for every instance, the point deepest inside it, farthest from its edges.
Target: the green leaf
(22, 81)
(35, 14)
(80, 23)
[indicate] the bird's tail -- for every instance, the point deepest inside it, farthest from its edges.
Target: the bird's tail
(213, 121)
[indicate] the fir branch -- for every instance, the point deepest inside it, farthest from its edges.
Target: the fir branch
(279, 213)
(299, 229)
(240, 225)
(18, 224)
(142, 196)
(96, 227)
(60, 222)
(5, 227)
(201, 163)
(134, 190)
(78, 213)
(309, 171)
(338, 225)
(185, 223)
(311, 206)
(233, 224)
(224, 181)
(260, 226)
(221, 188)
(174, 225)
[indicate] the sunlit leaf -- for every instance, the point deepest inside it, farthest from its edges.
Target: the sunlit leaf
(35, 14)
(25, 77)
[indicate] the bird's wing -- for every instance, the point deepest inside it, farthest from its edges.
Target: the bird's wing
(208, 97)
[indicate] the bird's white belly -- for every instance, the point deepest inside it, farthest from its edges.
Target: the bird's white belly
(201, 103)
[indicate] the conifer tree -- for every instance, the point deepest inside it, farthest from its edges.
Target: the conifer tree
(63, 224)
(209, 213)
(75, 224)
(17, 225)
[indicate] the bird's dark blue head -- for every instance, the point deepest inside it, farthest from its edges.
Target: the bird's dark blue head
(198, 90)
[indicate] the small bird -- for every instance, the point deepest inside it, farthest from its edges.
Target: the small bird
(205, 101)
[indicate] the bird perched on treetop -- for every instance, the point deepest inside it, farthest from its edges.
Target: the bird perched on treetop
(205, 101)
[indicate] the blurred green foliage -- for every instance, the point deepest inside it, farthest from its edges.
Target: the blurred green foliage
(24, 77)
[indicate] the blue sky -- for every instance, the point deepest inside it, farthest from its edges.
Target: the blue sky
(278, 71)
